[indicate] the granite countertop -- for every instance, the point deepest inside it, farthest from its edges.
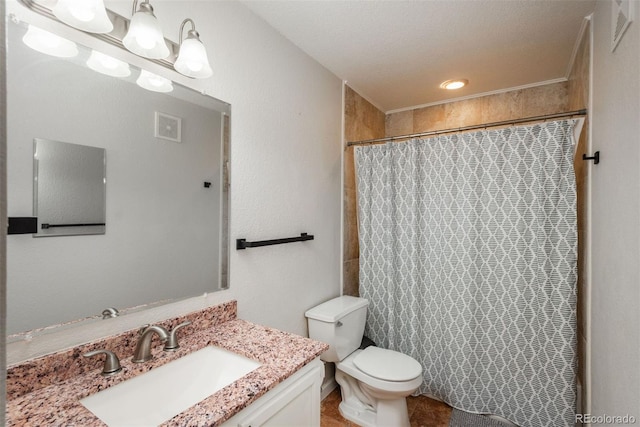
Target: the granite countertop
(281, 353)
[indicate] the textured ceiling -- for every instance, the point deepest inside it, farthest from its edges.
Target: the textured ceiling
(396, 53)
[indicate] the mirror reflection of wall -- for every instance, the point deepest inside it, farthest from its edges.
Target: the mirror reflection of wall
(165, 227)
(69, 188)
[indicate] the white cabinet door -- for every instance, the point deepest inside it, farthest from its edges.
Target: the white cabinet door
(293, 403)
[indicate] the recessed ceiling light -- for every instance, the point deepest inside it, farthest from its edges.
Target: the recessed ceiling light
(454, 84)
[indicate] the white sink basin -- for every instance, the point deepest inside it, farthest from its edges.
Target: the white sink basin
(162, 393)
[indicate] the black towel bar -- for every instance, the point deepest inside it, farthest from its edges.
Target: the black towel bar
(243, 244)
(46, 226)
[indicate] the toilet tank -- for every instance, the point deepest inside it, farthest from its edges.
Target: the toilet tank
(340, 323)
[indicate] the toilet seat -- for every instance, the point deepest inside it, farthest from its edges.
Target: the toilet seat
(387, 365)
(348, 367)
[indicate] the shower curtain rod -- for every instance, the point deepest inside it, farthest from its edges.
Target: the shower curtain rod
(568, 114)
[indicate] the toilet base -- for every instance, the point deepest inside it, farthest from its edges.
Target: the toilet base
(369, 407)
(390, 413)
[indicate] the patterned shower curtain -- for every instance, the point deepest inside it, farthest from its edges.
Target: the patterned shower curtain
(468, 248)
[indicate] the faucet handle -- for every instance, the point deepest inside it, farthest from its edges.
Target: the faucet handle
(172, 343)
(111, 362)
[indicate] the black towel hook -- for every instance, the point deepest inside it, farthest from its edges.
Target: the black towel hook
(595, 157)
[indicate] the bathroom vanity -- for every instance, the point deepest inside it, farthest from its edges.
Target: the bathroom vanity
(295, 402)
(284, 386)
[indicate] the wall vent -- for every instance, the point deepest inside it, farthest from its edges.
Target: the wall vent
(621, 16)
(168, 127)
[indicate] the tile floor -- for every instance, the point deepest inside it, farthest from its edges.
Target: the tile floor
(423, 412)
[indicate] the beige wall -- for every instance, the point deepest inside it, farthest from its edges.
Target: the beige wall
(578, 99)
(535, 101)
(362, 121)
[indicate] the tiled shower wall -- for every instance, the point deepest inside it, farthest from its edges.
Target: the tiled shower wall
(535, 101)
(579, 98)
(362, 121)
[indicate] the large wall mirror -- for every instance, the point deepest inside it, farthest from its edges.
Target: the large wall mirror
(166, 176)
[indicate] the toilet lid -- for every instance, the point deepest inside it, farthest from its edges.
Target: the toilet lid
(387, 365)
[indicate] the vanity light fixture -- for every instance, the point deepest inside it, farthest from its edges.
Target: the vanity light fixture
(454, 84)
(85, 15)
(192, 57)
(49, 43)
(144, 37)
(153, 82)
(141, 35)
(108, 65)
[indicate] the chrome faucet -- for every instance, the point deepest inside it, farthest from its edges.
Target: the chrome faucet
(143, 348)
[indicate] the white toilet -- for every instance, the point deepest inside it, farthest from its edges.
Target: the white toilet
(374, 382)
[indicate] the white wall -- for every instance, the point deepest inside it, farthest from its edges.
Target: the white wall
(285, 159)
(615, 222)
(3, 217)
(286, 168)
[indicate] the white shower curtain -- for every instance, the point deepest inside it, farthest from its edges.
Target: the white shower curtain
(468, 248)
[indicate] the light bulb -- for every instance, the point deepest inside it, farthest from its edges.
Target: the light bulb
(192, 58)
(194, 66)
(453, 84)
(108, 65)
(108, 62)
(83, 13)
(49, 43)
(153, 82)
(86, 15)
(145, 37)
(156, 81)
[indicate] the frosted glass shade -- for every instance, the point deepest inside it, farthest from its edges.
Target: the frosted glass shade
(192, 59)
(153, 82)
(85, 15)
(145, 37)
(108, 65)
(49, 43)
